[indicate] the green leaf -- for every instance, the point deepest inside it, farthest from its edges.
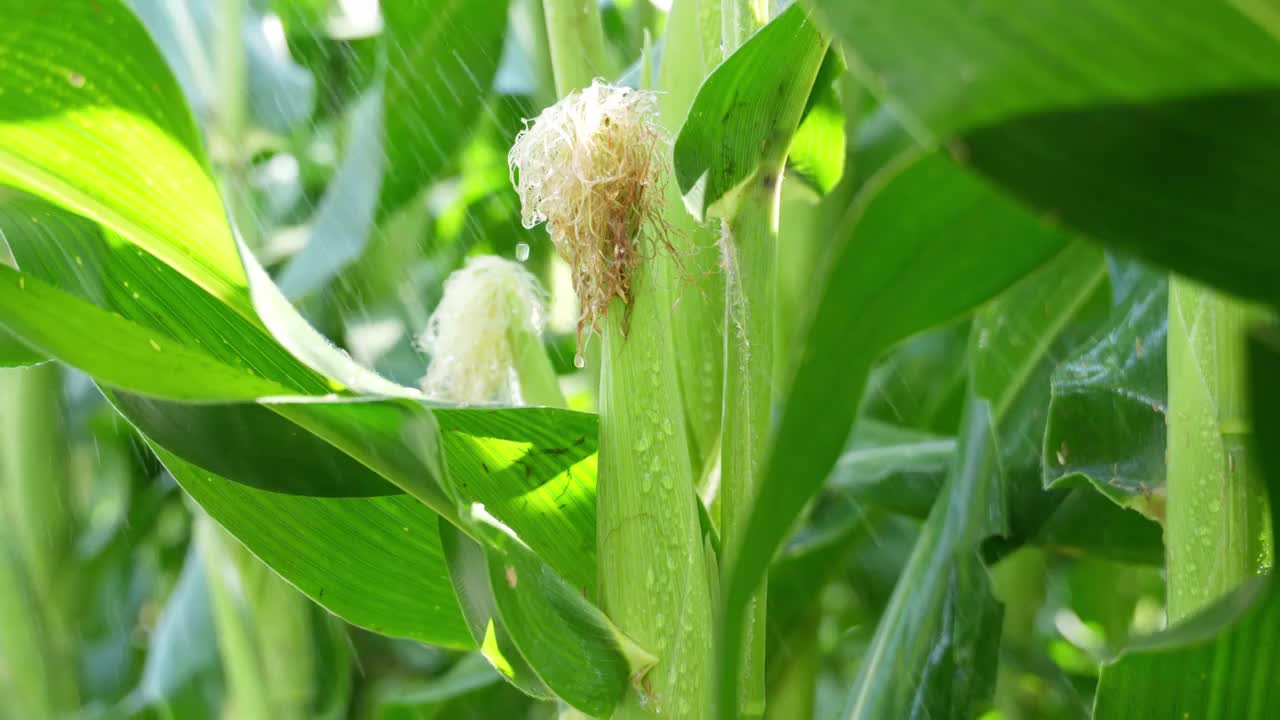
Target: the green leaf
(1223, 659)
(883, 283)
(569, 643)
(15, 353)
(1073, 109)
(469, 570)
(817, 151)
(741, 107)
(127, 355)
(893, 468)
(534, 468)
(1014, 339)
(376, 562)
(1106, 415)
(340, 228)
(442, 58)
(934, 651)
(90, 135)
(79, 140)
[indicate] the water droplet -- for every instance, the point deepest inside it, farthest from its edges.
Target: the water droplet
(79, 261)
(154, 345)
(76, 79)
(22, 283)
(522, 251)
(579, 361)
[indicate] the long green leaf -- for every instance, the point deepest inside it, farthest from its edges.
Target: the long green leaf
(534, 468)
(580, 655)
(1013, 338)
(1074, 108)
(103, 128)
(15, 353)
(886, 280)
(375, 562)
(934, 650)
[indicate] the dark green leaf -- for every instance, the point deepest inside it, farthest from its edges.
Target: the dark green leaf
(1223, 660)
(469, 570)
(742, 108)
(893, 468)
(1106, 416)
(1107, 116)
(934, 650)
(375, 562)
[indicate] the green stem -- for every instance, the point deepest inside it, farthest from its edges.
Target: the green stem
(793, 692)
(748, 400)
(38, 653)
(1217, 531)
(576, 40)
(697, 315)
(231, 120)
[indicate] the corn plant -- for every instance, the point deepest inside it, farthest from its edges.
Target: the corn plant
(638, 359)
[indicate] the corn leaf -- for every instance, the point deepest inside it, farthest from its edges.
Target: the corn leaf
(1106, 417)
(738, 110)
(883, 284)
(1107, 116)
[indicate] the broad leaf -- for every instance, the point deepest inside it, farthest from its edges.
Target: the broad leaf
(92, 136)
(1106, 416)
(1073, 109)
(744, 105)
(393, 580)
(15, 353)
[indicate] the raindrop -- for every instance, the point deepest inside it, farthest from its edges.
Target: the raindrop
(522, 251)
(579, 361)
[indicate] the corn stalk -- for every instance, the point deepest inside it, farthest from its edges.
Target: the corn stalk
(1218, 533)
